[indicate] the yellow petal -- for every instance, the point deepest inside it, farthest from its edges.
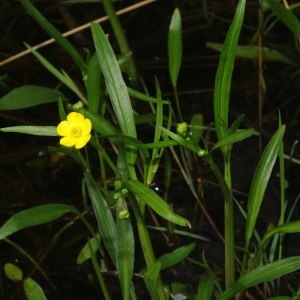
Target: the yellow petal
(67, 141)
(75, 118)
(82, 141)
(86, 127)
(63, 128)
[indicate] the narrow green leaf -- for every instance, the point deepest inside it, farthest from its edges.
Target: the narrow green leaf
(196, 128)
(100, 124)
(252, 52)
(13, 272)
(260, 180)
(117, 90)
(124, 251)
(90, 247)
(205, 288)
(152, 199)
(173, 258)
(34, 130)
(175, 46)
(54, 33)
(286, 16)
(140, 96)
(262, 274)
(106, 223)
(151, 278)
(115, 84)
(290, 227)
(234, 138)
(185, 142)
(61, 76)
(29, 96)
(224, 72)
(34, 216)
(33, 290)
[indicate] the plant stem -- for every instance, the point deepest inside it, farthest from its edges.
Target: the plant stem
(121, 38)
(147, 245)
(228, 225)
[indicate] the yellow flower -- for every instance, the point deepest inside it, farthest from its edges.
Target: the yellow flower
(76, 130)
(182, 128)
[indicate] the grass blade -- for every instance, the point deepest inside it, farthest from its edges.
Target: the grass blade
(29, 96)
(260, 181)
(262, 274)
(53, 32)
(34, 130)
(152, 199)
(34, 216)
(224, 72)
(106, 223)
(124, 251)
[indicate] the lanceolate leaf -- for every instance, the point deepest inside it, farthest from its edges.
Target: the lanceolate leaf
(225, 70)
(262, 274)
(152, 199)
(260, 180)
(106, 223)
(28, 96)
(175, 46)
(34, 130)
(34, 216)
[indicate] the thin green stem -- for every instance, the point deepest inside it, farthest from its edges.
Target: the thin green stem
(146, 245)
(121, 38)
(228, 226)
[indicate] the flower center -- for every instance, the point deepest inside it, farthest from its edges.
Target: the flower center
(76, 131)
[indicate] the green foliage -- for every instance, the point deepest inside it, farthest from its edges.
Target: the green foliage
(28, 96)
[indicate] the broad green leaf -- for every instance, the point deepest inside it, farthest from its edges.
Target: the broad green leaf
(29, 96)
(173, 258)
(124, 251)
(260, 180)
(13, 272)
(85, 253)
(262, 274)
(152, 199)
(252, 52)
(290, 227)
(233, 138)
(92, 83)
(175, 46)
(34, 130)
(285, 15)
(33, 290)
(54, 33)
(34, 216)
(106, 223)
(224, 72)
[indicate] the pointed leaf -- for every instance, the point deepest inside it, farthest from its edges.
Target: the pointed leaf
(152, 199)
(28, 96)
(33, 290)
(34, 130)
(34, 216)
(260, 180)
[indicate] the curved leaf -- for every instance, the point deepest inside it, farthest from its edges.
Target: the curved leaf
(34, 216)
(28, 96)
(152, 199)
